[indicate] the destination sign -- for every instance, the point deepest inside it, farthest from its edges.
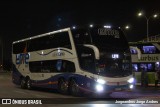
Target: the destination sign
(108, 32)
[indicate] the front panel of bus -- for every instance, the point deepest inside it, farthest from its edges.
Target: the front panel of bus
(105, 53)
(115, 57)
(114, 54)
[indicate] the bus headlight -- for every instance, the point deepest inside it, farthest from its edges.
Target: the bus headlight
(131, 80)
(101, 81)
(99, 88)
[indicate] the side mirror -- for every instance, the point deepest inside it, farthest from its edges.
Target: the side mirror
(95, 49)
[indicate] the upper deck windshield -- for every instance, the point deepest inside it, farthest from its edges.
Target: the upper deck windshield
(113, 47)
(102, 38)
(111, 39)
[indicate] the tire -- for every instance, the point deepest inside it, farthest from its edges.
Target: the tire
(62, 86)
(73, 88)
(28, 84)
(23, 83)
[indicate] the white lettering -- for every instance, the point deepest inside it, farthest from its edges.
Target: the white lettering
(152, 101)
(19, 101)
(137, 102)
(140, 101)
(125, 102)
(34, 102)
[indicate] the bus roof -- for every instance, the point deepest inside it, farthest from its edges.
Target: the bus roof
(41, 35)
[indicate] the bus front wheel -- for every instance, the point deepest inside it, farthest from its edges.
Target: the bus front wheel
(62, 86)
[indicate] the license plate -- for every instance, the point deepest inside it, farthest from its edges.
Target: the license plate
(118, 89)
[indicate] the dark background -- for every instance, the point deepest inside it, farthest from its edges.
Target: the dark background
(24, 18)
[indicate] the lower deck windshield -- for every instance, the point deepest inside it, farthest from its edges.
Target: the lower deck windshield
(113, 64)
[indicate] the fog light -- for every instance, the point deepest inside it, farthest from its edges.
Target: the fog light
(131, 86)
(99, 88)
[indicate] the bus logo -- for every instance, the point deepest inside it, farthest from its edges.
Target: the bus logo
(58, 54)
(22, 58)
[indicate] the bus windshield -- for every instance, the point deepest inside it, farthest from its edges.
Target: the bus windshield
(115, 58)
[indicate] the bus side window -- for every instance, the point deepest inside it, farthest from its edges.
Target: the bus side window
(50, 41)
(149, 49)
(60, 40)
(19, 47)
(59, 65)
(65, 66)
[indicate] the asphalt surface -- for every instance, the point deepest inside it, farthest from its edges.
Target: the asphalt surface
(51, 98)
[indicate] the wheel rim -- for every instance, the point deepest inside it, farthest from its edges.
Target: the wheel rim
(74, 88)
(28, 84)
(63, 87)
(22, 83)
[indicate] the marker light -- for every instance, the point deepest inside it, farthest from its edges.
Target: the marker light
(107, 26)
(74, 27)
(101, 81)
(99, 88)
(131, 80)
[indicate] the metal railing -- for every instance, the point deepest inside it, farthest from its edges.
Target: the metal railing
(155, 38)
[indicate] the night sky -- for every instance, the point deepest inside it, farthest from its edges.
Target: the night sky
(24, 18)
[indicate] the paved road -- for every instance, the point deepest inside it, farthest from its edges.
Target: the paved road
(9, 90)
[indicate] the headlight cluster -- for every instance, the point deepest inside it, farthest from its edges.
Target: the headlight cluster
(99, 87)
(131, 80)
(101, 81)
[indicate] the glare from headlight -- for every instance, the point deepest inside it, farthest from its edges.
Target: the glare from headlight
(131, 80)
(99, 88)
(101, 81)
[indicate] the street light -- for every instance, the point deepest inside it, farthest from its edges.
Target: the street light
(127, 27)
(147, 19)
(91, 25)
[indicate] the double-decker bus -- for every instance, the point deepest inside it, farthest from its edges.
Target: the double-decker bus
(91, 60)
(150, 59)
